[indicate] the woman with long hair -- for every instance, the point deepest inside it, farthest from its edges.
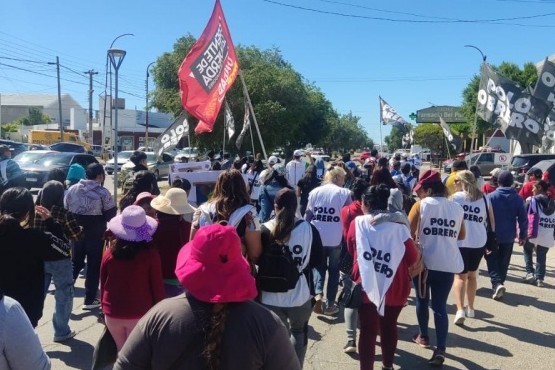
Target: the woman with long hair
(131, 262)
(23, 250)
(469, 196)
(303, 242)
(216, 324)
(142, 182)
(230, 202)
(305, 185)
(438, 223)
(383, 254)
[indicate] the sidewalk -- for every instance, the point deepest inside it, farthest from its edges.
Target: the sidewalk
(515, 333)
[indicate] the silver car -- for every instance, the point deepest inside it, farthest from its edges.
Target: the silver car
(160, 167)
(123, 157)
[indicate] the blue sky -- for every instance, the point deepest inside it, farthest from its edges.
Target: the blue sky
(414, 59)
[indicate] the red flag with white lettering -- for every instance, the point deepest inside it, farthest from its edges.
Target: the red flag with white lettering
(208, 71)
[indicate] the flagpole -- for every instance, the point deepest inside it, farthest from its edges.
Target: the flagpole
(252, 140)
(246, 92)
(380, 123)
(223, 143)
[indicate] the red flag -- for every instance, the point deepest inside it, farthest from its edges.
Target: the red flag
(208, 71)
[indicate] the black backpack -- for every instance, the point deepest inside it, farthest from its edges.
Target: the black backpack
(277, 271)
(408, 199)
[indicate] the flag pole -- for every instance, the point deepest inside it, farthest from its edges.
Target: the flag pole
(223, 143)
(380, 123)
(246, 92)
(252, 140)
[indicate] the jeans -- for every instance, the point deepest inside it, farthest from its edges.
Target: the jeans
(91, 248)
(295, 320)
(498, 264)
(541, 254)
(330, 262)
(60, 272)
(439, 285)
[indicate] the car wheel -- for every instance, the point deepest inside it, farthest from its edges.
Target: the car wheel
(157, 175)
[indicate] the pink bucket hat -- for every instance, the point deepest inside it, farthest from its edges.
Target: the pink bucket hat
(133, 225)
(212, 268)
(143, 195)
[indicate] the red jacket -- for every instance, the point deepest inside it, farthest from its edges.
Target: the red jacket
(129, 288)
(400, 287)
(488, 188)
(172, 234)
(526, 190)
(348, 214)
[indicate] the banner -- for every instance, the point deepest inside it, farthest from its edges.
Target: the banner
(520, 115)
(388, 115)
(545, 90)
(173, 134)
(208, 71)
(246, 124)
(454, 140)
(229, 121)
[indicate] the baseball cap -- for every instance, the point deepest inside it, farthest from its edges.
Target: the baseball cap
(298, 153)
(495, 172)
(273, 160)
(505, 178)
(459, 165)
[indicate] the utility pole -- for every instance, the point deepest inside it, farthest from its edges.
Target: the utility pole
(91, 73)
(147, 107)
(59, 98)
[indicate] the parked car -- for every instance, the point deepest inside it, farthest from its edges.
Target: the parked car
(487, 161)
(31, 156)
(189, 153)
(35, 173)
(96, 150)
(520, 164)
(160, 167)
(68, 148)
(123, 157)
(14, 146)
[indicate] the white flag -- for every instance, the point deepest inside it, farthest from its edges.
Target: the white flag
(246, 124)
(388, 115)
(229, 120)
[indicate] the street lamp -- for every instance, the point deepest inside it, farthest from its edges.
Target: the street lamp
(146, 107)
(116, 58)
(474, 137)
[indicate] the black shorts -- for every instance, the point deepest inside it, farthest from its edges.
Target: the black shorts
(471, 258)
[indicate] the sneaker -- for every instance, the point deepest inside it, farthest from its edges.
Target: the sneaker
(421, 341)
(350, 347)
(459, 317)
(63, 338)
(438, 358)
(91, 306)
(499, 292)
(317, 309)
(529, 279)
(470, 313)
(540, 283)
(332, 310)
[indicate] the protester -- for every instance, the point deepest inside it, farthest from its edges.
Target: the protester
(273, 182)
(215, 325)
(458, 165)
(60, 269)
(540, 233)
(469, 196)
(477, 175)
(294, 170)
(508, 208)
(305, 185)
(10, 173)
(302, 240)
(172, 233)
(24, 250)
(93, 206)
(20, 348)
(527, 190)
(253, 178)
(320, 167)
(144, 200)
(348, 214)
(272, 160)
(142, 182)
(383, 294)
(75, 173)
(323, 211)
(491, 185)
(139, 159)
(226, 163)
(437, 223)
(132, 261)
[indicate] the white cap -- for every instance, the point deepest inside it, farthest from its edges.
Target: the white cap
(272, 160)
(298, 153)
(495, 172)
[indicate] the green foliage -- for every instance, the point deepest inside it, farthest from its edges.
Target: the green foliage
(10, 127)
(346, 133)
(394, 140)
(290, 111)
(35, 117)
(429, 135)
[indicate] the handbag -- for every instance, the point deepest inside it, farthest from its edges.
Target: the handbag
(351, 295)
(418, 269)
(491, 241)
(345, 259)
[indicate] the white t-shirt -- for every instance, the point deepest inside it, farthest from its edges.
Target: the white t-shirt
(475, 221)
(294, 171)
(440, 223)
(300, 244)
(325, 203)
(265, 173)
(545, 227)
(255, 184)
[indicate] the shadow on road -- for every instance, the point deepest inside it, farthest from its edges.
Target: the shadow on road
(79, 356)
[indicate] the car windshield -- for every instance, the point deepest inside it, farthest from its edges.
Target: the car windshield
(124, 155)
(519, 161)
(55, 160)
(28, 157)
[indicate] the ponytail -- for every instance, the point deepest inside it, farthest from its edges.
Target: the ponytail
(213, 350)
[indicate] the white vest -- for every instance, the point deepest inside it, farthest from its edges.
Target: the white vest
(545, 229)
(325, 203)
(380, 249)
(440, 223)
(300, 244)
(475, 221)
(208, 213)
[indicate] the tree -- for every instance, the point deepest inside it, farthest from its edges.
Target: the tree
(395, 138)
(346, 133)
(525, 77)
(34, 117)
(429, 135)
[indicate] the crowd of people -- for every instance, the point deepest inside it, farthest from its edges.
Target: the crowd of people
(183, 285)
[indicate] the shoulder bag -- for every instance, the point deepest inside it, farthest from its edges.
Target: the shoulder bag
(418, 269)
(491, 242)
